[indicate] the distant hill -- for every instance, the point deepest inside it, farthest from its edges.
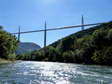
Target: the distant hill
(25, 47)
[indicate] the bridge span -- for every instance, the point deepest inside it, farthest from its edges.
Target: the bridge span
(45, 30)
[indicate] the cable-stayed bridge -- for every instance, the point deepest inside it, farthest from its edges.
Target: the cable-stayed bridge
(82, 25)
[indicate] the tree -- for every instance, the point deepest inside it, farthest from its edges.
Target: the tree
(8, 44)
(68, 44)
(1, 27)
(99, 39)
(68, 56)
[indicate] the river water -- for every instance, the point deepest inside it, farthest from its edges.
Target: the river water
(27, 72)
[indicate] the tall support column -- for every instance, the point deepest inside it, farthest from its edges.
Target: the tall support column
(82, 22)
(45, 37)
(19, 34)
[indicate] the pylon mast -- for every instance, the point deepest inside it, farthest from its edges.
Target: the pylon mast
(82, 22)
(45, 34)
(19, 34)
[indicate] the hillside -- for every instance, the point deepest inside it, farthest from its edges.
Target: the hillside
(25, 47)
(79, 34)
(91, 46)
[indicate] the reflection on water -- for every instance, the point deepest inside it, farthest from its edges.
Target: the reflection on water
(22, 72)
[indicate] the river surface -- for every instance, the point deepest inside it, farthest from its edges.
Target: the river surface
(27, 72)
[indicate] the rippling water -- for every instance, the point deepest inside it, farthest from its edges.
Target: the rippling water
(22, 72)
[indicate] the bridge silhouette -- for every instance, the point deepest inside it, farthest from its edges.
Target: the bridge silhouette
(82, 25)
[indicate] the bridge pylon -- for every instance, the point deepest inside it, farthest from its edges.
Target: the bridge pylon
(45, 37)
(82, 22)
(19, 33)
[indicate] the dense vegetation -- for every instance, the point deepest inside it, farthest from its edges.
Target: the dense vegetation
(91, 46)
(8, 45)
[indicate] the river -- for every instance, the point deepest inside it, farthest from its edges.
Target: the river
(28, 72)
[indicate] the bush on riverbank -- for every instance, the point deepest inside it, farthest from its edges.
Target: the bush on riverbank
(8, 45)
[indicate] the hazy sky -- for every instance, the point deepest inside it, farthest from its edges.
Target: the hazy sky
(31, 14)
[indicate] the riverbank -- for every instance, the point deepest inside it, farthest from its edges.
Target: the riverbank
(4, 61)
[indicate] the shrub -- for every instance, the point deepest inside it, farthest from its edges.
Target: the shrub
(8, 44)
(68, 56)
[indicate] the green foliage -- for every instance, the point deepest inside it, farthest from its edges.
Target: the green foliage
(37, 56)
(52, 53)
(109, 35)
(68, 56)
(11, 56)
(99, 39)
(98, 57)
(108, 56)
(67, 44)
(103, 56)
(1, 28)
(8, 45)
